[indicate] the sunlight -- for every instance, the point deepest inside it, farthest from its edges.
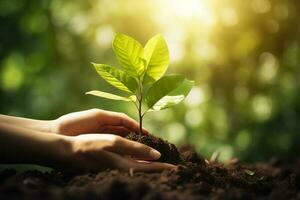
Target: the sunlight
(189, 11)
(179, 19)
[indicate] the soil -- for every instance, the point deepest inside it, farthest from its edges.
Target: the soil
(195, 178)
(169, 152)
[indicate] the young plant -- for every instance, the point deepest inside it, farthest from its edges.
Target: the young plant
(141, 76)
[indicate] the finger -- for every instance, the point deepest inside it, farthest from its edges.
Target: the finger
(151, 166)
(99, 160)
(135, 149)
(130, 123)
(116, 161)
(121, 119)
(118, 130)
(103, 159)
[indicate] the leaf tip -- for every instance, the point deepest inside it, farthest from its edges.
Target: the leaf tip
(89, 92)
(159, 35)
(118, 35)
(94, 64)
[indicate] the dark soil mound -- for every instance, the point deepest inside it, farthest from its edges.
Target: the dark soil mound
(195, 178)
(169, 152)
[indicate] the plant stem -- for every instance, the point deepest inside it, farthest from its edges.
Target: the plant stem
(140, 99)
(140, 119)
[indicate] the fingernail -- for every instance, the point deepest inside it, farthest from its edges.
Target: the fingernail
(155, 154)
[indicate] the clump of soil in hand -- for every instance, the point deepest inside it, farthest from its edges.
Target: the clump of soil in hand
(169, 152)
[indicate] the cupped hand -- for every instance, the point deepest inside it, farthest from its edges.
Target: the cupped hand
(93, 152)
(95, 121)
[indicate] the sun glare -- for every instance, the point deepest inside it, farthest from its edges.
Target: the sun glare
(188, 11)
(179, 19)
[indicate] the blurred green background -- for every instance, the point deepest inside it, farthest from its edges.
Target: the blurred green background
(243, 55)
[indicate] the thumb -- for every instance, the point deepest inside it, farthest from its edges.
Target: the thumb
(135, 149)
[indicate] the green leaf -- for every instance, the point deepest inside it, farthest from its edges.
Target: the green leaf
(116, 77)
(148, 80)
(129, 53)
(111, 96)
(174, 97)
(161, 88)
(157, 55)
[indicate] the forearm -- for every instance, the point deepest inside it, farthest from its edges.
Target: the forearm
(21, 145)
(38, 125)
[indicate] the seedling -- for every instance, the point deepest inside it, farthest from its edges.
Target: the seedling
(141, 76)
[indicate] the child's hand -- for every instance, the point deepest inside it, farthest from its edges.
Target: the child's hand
(95, 121)
(92, 152)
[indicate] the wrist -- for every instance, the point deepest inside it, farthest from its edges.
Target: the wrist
(33, 124)
(53, 126)
(47, 126)
(59, 151)
(23, 145)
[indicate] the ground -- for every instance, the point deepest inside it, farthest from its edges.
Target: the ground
(195, 178)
